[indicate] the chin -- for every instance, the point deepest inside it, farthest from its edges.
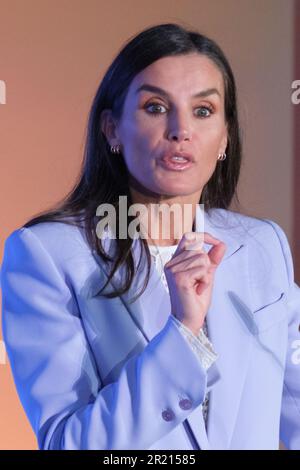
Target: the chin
(175, 190)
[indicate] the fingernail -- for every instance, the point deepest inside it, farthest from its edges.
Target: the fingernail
(199, 237)
(195, 246)
(190, 236)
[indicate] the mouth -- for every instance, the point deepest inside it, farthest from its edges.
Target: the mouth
(176, 161)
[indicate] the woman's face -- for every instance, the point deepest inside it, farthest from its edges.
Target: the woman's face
(163, 115)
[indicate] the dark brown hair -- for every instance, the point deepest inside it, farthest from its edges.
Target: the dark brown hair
(103, 177)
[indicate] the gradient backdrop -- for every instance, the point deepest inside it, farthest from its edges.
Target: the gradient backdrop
(53, 54)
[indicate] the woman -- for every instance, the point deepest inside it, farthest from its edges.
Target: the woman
(195, 351)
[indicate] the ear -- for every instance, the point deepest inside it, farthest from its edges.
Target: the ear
(109, 127)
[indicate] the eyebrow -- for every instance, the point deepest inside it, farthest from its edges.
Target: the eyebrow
(165, 94)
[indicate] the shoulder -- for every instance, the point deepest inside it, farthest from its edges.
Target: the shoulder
(241, 225)
(54, 242)
(269, 253)
(52, 235)
(229, 219)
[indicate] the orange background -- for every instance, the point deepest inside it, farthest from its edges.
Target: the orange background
(53, 54)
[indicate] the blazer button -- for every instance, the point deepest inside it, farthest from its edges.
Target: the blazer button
(185, 404)
(168, 415)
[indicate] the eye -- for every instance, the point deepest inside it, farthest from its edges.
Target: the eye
(155, 106)
(206, 111)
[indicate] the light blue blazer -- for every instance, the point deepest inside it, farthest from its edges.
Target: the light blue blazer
(96, 373)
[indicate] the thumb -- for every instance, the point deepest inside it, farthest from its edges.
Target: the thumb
(189, 241)
(216, 254)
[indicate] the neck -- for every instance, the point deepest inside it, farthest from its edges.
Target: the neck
(166, 218)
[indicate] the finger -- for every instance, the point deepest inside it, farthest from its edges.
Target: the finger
(199, 239)
(183, 255)
(191, 276)
(196, 242)
(201, 279)
(216, 254)
(187, 238)
(202, 286)
(193, 241)
(210, 239)
(187, 259)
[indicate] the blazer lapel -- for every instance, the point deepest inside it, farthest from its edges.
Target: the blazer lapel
(227, 330)
(230, 333)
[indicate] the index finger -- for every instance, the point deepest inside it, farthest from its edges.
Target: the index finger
(193, 241)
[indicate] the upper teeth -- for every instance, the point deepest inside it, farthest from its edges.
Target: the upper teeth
(176, 157)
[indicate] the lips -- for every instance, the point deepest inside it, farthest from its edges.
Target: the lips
(176, 161)
(178, 156)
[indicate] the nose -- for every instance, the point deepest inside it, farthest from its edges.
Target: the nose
(179, 130)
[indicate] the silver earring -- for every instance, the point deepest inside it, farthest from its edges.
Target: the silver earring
(222, 156)
(115, 149)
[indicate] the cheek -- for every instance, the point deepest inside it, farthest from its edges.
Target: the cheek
(137, 147)
(138, 132)
(212, 137)
(140, 143)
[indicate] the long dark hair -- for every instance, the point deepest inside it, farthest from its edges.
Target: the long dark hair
(103, 177)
